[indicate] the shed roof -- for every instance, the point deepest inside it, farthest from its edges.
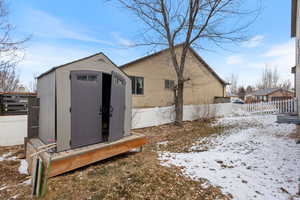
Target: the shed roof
(193, 52)
(100, 53)
(267, 91)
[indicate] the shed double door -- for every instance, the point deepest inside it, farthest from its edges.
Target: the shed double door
(86, 101)
(86, 108)
(117, 106)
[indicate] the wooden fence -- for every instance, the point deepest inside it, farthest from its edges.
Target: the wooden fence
(272, 107)
(14, 103)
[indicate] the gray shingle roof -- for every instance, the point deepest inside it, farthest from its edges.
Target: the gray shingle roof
(263, 92)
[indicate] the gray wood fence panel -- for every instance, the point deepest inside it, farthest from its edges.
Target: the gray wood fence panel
(33, 117)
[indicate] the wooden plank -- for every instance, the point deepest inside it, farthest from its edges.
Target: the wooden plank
(45, 181)
(30, 150)
(62, 165)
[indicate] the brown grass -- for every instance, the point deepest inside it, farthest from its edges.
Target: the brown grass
(179, 139)
(138, 175)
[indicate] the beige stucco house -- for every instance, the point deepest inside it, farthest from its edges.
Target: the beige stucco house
(153, 78)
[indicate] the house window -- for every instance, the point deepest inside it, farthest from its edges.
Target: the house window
(137, 85)
(169, 84)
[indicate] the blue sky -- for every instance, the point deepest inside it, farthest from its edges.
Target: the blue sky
(66, 30)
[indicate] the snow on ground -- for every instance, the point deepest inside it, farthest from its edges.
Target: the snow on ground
(23, 167)
(26, 182)
(7, 156)
(256, 160)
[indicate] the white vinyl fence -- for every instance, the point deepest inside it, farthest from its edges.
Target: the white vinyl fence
(13, 129)
(272, 107)
(162, 115)
(147, 117)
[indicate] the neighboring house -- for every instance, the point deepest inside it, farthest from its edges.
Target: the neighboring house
(153, 79)
(269, 94)
(295, 32)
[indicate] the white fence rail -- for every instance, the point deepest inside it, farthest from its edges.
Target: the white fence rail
(272, 107)
(13, 129)
(162, 115)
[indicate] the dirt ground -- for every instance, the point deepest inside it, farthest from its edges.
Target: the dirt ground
(127, 176)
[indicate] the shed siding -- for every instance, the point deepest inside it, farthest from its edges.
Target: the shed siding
(202, 87)
(297, 74)
(46, 93)
(97, 63)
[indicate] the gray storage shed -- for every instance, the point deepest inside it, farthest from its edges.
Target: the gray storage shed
(84, 102)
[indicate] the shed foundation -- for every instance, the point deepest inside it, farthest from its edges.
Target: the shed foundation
(62, 162)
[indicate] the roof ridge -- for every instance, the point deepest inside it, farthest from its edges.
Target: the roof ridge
(192, 50)
(68, 63)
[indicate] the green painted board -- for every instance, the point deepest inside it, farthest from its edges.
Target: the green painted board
(34, 175)
(39, 178)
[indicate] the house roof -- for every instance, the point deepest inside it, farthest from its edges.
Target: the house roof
(193, 52)
(267, 91)
(294, 18)
(100, 53)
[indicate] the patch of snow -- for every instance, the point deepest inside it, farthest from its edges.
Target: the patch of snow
(205, 185)
(241, 122)
(23, 167)
(256, 160)
(238, 111)
(14, 197)
(7, 156)
(3, 187)
(162, 143)
(26, 182)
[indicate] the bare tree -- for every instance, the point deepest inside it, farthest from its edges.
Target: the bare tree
(9, 79)
(269, 78)
(10, 49)
(10, 52)
(287, 85)
(241, 92)
(249, 89)
(233, 81)
(189, 23)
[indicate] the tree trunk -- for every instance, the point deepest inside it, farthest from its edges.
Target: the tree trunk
(179, 103)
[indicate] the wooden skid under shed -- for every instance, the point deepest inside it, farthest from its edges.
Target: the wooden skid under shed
(62, 162)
